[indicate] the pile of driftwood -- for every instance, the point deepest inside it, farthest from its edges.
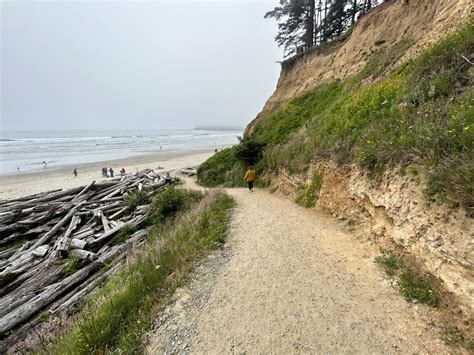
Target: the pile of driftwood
(54, 246)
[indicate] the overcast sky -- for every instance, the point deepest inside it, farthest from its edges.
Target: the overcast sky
(129, 64)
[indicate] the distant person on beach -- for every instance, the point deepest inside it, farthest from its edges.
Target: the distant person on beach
(168, 178)
(45, 165)
(75, 173)
(18, 168)
(111, 171)
(122, 172)
(250, 177)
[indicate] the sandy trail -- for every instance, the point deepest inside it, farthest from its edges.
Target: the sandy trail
(290, 280)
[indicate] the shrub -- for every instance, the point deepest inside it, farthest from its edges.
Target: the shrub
(169, 202)
(249, 150)
(136, 198)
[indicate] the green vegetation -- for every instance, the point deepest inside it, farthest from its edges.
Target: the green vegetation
(70, 265)
(121, 237)
(452, 336)
(136, 198)
(414, 285)
(389, 262)
(15, 244)
(167, 204)
(117, 317)
(383, 59)
(223, 168)
(421, 115)
(307, 196)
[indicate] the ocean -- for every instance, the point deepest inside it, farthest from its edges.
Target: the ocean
(27, 150)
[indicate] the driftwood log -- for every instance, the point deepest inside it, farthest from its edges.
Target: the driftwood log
(54, 245)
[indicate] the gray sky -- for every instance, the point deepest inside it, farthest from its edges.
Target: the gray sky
(129, 64)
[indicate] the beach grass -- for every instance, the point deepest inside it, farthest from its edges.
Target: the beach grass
(118, 316)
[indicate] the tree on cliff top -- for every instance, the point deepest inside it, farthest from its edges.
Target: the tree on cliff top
(303, 24)
(295, 24)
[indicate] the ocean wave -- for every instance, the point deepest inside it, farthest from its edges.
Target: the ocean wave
(7, 140)
(60, 139)
(112, 144)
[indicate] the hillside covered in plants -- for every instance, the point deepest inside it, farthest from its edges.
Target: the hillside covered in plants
(418, 116)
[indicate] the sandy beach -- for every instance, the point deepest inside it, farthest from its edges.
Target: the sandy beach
(26, 183)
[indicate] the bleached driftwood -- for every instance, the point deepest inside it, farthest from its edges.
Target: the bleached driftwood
(42, 229)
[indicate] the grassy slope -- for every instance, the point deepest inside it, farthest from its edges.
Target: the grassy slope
(116, 319)
(420, 115)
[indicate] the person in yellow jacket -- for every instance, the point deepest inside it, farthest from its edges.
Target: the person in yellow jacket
(250, 177)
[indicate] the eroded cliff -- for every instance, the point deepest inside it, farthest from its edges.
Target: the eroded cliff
(417, 23)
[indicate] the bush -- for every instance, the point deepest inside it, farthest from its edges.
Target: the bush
(249, 150)
(136, 198)
(168, 203)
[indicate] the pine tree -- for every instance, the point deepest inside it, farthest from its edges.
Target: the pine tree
(305, 23)
(295, 24)
(336, 18)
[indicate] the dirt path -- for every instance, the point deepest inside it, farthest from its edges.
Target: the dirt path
(290, 280)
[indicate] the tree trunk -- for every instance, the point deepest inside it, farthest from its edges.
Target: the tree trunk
(325, 26)
(310, 24)
(354, 12)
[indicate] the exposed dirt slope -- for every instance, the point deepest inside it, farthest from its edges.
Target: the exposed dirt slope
(393, 213)
(290, 280)
(420, 21)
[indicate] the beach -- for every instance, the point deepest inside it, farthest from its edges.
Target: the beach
(20, 184)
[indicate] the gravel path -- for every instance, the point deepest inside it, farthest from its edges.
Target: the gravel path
(290, 280)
